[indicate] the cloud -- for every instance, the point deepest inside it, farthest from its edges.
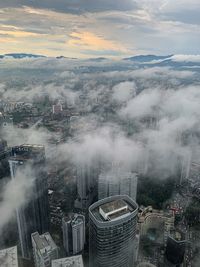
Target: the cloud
(122, 92)
(143, 104)
(90, 41)
(30, 93)
(106, 145)
(159, 126)
(74, 7)
(128, 28)
(16, 136)
(182, 103)
(186, 58)
(16, 193)
(158, 108)
(19, 34)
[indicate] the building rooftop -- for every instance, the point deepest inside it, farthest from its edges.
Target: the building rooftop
(8, 257)
(75, 261)
(149, 211)
(74, 218)
(78, 218)
(113, 205)
(195, 164)
(29, 147)
(112, 208)
(177, 235)
(145, 264)
(27, 151)
(44, 242)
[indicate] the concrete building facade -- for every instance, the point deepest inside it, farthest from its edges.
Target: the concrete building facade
(8, 257)
(44, 249)
(112, 231)
(74, 261)
(175, 249)
(117, 182)
(73, 228)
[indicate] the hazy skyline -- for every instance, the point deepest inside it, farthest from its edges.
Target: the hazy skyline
(109, 28)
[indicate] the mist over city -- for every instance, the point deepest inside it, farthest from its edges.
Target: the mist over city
(99, 134)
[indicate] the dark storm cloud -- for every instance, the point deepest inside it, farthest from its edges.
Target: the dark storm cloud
(74, 7)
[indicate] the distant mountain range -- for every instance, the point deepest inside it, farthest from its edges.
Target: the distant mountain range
(20, 55)
(138, 59)
(61, 57)
(147, 58)
(97, 59)
(142, 60)
(162, 61)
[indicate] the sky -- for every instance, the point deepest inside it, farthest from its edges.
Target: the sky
(99, 28)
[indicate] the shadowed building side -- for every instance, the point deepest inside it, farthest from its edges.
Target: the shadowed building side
(34, 214)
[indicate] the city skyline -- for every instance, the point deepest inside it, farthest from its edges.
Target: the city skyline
(99, 133)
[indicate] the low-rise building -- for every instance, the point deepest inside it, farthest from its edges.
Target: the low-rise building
(74, 261)
(150, 218)
(176, 244)
(8, 257)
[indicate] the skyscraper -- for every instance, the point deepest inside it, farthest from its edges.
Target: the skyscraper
(4, 155)
(112, 231)
(29, 161)
(73, 233)
(44, 249)
(87, 177)
(7, 232)
(117, 182)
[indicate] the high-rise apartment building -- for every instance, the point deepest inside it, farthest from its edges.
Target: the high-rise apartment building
(28, 161)
(73, 228)
(112, 231)
(44, 249)
(87, 177)
(117, 182)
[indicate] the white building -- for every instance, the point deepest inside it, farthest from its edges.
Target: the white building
(75, 261)
(44, 249)
(8, 257)
(57, 109)
(117, 182)
(73, 233)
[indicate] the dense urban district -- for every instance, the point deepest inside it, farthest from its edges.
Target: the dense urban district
(99, 162)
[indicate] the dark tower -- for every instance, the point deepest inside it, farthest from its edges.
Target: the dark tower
(32, 216)
(175, 249)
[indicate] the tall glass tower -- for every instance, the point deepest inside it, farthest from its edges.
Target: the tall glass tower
(112, 230)
(29, 161)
